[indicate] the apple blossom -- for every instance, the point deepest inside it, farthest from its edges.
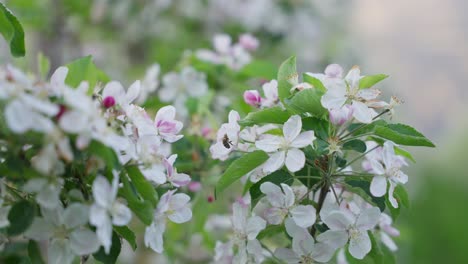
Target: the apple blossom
(106, 210)
(227, 138)
(270, 91)
(166, 124)
(177, 179)
(174, 207)
(252, 97)
(285, 150)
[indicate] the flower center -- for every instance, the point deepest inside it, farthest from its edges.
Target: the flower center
(306, 260)
(108, 102)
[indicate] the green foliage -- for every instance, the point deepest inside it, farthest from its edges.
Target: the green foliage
(371, 80)
(84, 69)
(274, 115)
(34, 253)
(361, 187)
(239, 168)
(114, 253)
(126, 234)
(270, 231)
(21, 217)
(287, 74)
(12, 31)
(142, 185)
(316, 83)
(403, 135)
(105, 153)
(308, 101)
(401, 152)
(142, 209)
(277, 178)
(356, 145)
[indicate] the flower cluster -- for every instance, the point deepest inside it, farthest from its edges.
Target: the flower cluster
(90, 160)
(301, 155)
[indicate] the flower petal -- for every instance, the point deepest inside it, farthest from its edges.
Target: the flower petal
(303, 215)
(378, 186)
(275, 162)
(292, 128)
(84, 242)
(368, 218)
(360, 245)
(121, 215)
(303, 140)
(295, 159)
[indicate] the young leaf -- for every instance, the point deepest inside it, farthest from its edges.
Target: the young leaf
(403, 135)
(287, 74)
(356, 145)
(12, 31)
(114, 253)
(126, 234)
(144, 188)
(84, 69)
(276, 177)
(401, 195)
(308, 101)
(401, 152)
(21, 216)
(270, 231)
(34, 253)
(316, 83)
(142, 209)
(371, 80)
(275, 115)
(239, 168)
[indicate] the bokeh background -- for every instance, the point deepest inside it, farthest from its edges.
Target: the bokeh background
(421, 44)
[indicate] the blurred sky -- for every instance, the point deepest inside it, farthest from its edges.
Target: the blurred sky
(422, 45)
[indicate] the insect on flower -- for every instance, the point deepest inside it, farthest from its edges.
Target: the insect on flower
(226, 142)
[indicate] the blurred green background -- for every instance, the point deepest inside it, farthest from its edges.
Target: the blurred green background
(421, 44)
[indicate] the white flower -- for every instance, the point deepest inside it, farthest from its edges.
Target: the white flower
(283, 204)
(286, 149)
(227, 138)
(387, 170)
(345, 226)
(333, 75)
(27, 112)
(177, 87)
(223, 252)
(114, 93)
(304, 249)
(166, 124)
(341, 115)
(176, 208)
(65, 229)
(246, 230)
(177, 179)
(339, 93)
(270, 91)
(47, 191)
(106, 211)
(387, 231)
(149, 83)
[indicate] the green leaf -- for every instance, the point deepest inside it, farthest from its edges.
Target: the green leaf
(308, 101)
(142, 209)
(21, 216)
(401, 152)
(319, 126)
(287, 75)
(114, 252)
(43, 65)
(371, 80)
(239, 168)
(403, 135)
(126, 234)
(84, 69)
(274, 115)
(12, 31)
(259, 69)
(356, 145)
(401, 195)
(362, 188)
(143, 186)
(105, 153)
(276, 177)
(34, 253)
(270, 231)
(316, 83)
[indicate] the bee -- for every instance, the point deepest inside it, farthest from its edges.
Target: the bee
(226, 142)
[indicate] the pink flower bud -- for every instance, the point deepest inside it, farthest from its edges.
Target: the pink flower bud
(62, 110)
(108, 102)
(248, 42)
(340, 116)
(334, 71)
(252, 97)
(210, 199)
(194, 186)
(206, 132)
